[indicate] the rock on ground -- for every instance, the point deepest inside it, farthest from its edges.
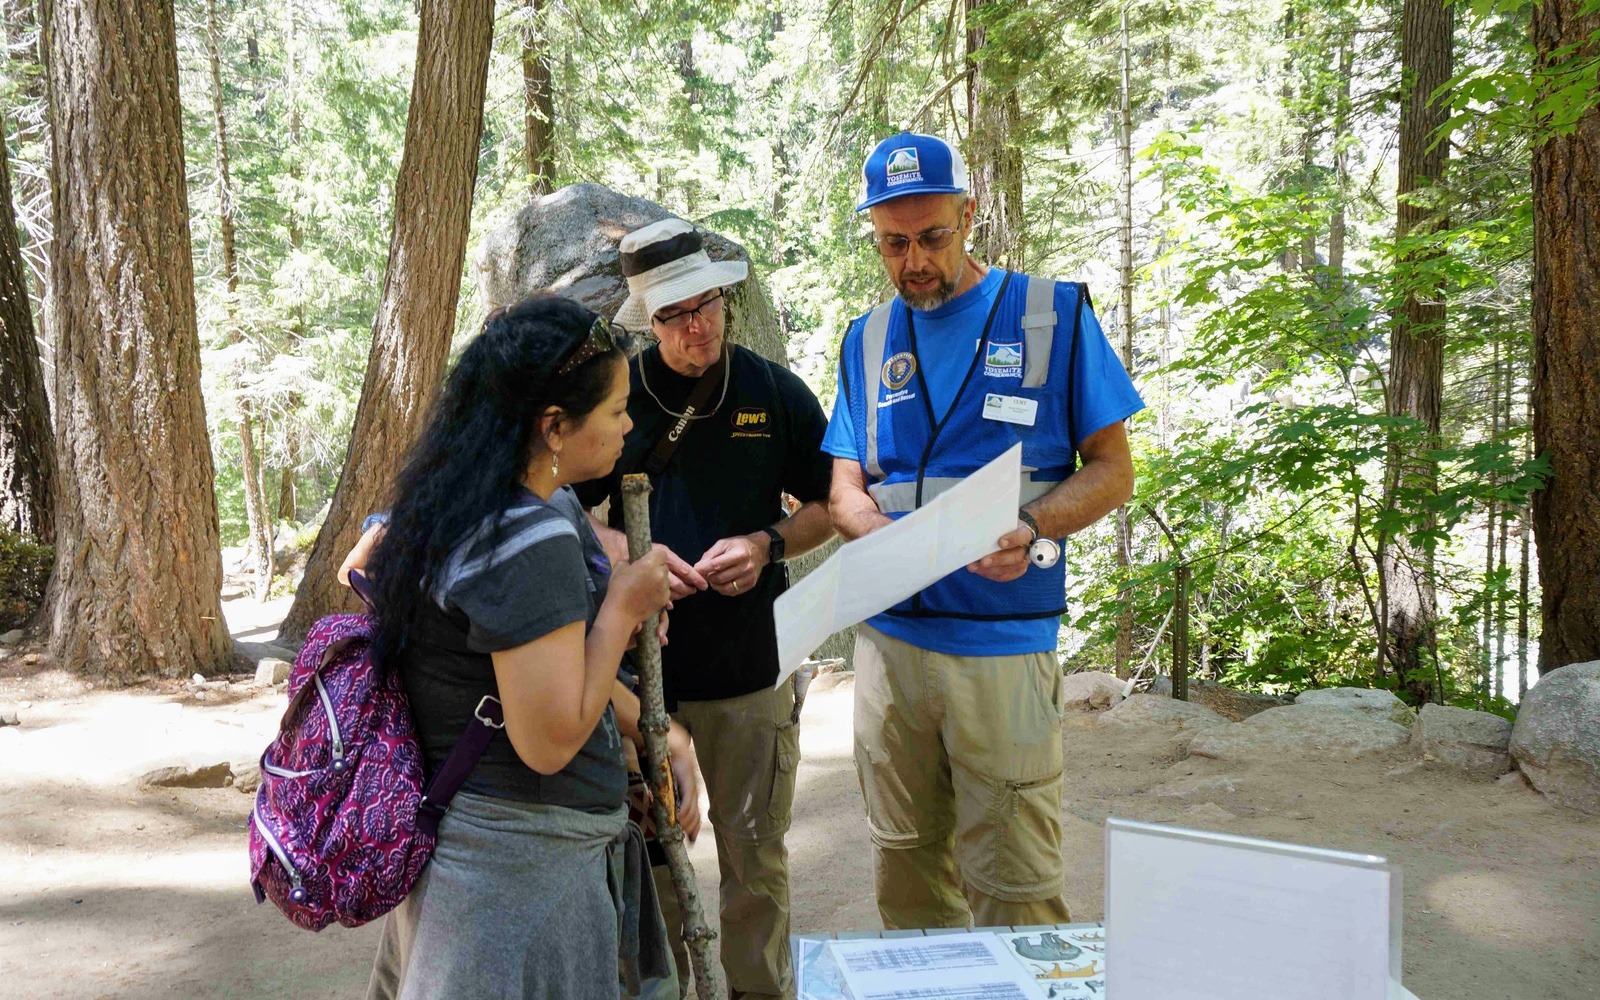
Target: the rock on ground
(1475, 742)
(1321, 731)
(1379, 702)
(1090, 690)
(1149, 709)
(270, 671)
(247, 778)
(1230, 703)
(207, 776)
(1556, 739)
(11, 638)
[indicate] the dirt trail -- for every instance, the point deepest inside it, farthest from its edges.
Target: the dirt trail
(114, 891)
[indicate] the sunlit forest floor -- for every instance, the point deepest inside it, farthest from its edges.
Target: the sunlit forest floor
(111, 890)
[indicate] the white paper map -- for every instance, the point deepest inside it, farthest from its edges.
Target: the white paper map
(947, 967)
(874, 573)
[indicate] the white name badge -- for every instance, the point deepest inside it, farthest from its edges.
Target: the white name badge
(1010, 409)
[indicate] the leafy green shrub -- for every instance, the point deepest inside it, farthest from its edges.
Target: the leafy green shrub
(24, 570)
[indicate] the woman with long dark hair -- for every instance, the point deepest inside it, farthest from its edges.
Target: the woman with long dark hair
(488, 582)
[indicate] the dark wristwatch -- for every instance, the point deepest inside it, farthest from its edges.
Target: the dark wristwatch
(775, 547)
(1027, 518)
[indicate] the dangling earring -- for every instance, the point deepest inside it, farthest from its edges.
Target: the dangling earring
(555, 464)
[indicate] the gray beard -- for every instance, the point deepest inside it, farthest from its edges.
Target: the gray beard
(930, 300)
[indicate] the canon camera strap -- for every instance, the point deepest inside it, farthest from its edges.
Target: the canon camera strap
(656, 462)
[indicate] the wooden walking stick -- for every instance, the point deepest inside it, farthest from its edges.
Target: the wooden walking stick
(653, 723)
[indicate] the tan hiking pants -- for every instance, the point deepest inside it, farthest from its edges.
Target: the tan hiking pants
(960, 764)
(748, 749)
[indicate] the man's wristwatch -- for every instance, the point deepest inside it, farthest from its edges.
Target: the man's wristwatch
(1042, 552)
(775, 547)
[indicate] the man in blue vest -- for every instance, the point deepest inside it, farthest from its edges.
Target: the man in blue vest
(958, 690)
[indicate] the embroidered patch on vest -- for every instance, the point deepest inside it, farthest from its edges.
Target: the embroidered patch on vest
(897, 371)
(1003, 360)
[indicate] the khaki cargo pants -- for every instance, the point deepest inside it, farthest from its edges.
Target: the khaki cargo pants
(960, 763)
(748, 749)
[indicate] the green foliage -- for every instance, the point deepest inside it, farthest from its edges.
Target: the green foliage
(24, 572)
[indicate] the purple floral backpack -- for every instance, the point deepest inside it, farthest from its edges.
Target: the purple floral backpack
(345, 820)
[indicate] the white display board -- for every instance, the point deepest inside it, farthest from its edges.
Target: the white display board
(1192, 915)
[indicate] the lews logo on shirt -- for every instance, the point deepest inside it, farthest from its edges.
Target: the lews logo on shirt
(1003, 360)
(903, 167)
(897, 371)
(752, 422)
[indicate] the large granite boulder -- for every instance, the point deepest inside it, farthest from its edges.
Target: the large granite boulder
(1377, 701)
(1556, 739)
(1316, 731)
(1475, 742)
(566, 243)
(1150, 709)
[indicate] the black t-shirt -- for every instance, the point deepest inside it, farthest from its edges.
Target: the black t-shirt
(543, 569)
(725, 478)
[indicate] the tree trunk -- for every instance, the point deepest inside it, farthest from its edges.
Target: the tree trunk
(1416, 350)
(1486, 666)
(1503, 578)
(994, 114)
(1123, 652)
(1566, 349)
(27, 459)
(1524, 536)
(138, 567)
(417, 311)
(28, 112)
(255, 508)
(539, 114)
(1341, 165)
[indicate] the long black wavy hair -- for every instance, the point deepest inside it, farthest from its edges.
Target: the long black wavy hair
(480, 436)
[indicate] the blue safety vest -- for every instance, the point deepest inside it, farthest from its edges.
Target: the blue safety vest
(1028, 349)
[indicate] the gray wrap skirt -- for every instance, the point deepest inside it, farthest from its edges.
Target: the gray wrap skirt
(525, 901)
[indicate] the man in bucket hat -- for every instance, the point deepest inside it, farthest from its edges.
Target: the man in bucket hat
(958, 691)
(724, 433)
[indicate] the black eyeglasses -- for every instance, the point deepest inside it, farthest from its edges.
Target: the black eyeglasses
(604, 337)
(895, 245)
(680, 320)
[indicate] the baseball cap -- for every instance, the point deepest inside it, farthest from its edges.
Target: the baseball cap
(911, 163)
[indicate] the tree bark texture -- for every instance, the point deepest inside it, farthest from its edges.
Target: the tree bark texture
(417, 310)
(27, 456)
(994, 114)
(1566, 356)
(539, 115)
(138, 565)
(1123, 649)
(258, 526)
(1416, 347)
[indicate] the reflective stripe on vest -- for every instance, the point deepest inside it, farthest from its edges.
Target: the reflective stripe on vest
(874, 341)
(901, 498)
(1038, 331)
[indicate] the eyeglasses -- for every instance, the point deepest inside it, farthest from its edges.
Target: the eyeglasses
(895, 245)
(604, 337)
(680, 320)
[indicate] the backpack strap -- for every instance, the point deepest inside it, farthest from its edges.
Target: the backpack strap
(457, 767)
(464, 756)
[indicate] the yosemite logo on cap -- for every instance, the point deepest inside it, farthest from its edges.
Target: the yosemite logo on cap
(904, 166)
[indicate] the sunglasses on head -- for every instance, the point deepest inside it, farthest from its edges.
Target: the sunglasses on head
(604, 337)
